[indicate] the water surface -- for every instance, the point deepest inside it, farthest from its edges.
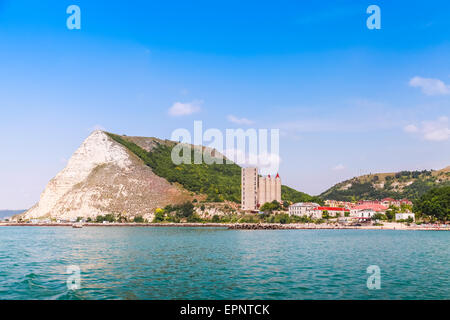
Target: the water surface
(215, 263)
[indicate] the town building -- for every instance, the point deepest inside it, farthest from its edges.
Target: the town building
(269, 189)
(368, 209)
(257, 190)
(364, 213)
(249, 189)
(303, 209)
(405, 216)
(314, 210)
(376, 202)
(339, 204)
(332, 211)
(396, 203)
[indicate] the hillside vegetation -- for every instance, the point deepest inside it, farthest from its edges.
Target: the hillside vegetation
(289, 194)
(435, 203)
(218, 182)
(404, 184)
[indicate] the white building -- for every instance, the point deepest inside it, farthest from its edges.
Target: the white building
(249, 189)
(303, 209)
(405, 216)
(269, 189)
(256, 191)
(364, 213)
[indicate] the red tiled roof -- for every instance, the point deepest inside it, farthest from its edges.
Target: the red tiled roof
(330, 209)
(373, 206)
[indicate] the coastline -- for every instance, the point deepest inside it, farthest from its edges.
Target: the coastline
(242, 226)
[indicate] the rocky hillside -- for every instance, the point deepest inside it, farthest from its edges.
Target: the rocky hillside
(216, 182)
(105, 177)
(132, 176)
(404, 184)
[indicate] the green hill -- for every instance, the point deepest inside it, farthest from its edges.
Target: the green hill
(218, 182)
(399, 185)
(289, 194)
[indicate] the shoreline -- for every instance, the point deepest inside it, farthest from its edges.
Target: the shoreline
(240, 226)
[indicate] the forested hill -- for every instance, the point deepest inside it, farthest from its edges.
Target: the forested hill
(218, 182)
(404, 184)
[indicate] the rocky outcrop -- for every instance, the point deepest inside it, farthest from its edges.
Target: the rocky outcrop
(104, 177)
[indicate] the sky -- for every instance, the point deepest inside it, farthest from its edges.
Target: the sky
(348, 100)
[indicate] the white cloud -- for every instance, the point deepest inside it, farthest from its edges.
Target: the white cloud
(339, 167)
(411, 128)
(437, 130)
(430, 87)
(183, 109)
(242, 121)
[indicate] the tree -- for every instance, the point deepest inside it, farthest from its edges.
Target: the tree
(186, 210)
(159, 215)
(139, 219)
(390, 214)
(435, 203)
(379, 216)
(270, 206)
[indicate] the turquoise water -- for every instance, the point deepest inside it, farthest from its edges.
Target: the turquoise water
(215, 263)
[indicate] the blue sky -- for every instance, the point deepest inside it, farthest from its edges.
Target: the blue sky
(348, 100)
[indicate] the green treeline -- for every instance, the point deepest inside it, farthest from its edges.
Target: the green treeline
(294, 196)
(365, 190)
(434, 203)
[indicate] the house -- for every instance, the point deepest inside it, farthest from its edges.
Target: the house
(404, 216)
(390, 202)
(365, 213)
(375, 202)
(406, 201)
(332, 211)
(367, 209)
(339, 204)
(303, 209)
(397, 203)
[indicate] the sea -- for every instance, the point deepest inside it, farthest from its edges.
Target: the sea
(97, 263)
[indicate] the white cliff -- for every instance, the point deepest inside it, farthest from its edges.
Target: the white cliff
(103, 177)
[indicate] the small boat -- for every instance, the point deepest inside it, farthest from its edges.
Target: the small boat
(77, 225)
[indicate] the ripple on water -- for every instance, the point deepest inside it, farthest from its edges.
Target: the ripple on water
(202, 263)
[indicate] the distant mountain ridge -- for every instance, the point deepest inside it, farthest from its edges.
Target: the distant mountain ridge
(397, 185)
(9, 213)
